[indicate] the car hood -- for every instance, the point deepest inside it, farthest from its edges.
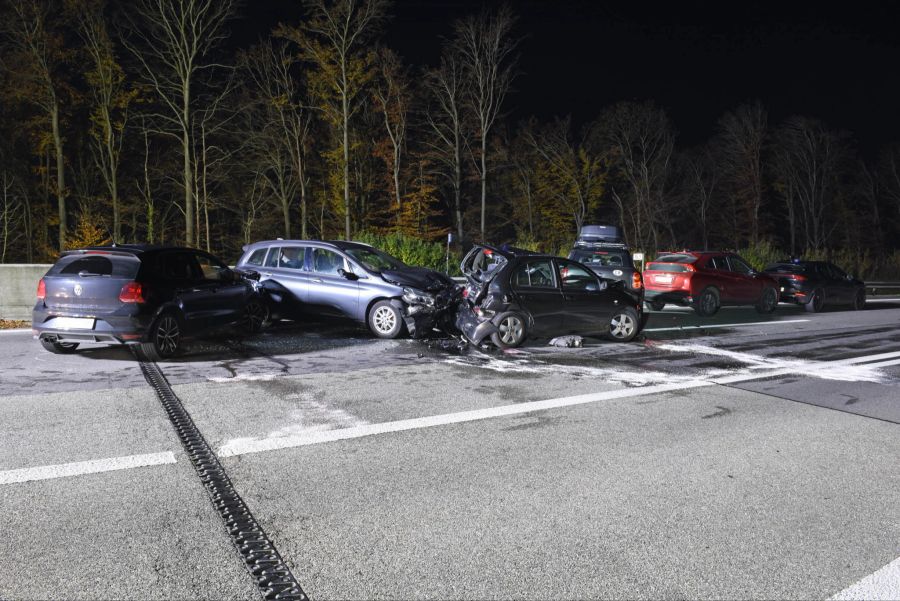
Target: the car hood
(418, 277)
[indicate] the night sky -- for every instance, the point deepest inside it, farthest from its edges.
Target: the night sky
(695, 59)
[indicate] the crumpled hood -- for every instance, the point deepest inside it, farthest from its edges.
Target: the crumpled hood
(418, 277)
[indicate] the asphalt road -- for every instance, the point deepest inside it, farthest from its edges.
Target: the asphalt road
(742, 456)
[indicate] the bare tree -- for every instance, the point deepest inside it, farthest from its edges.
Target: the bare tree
(703, 178)
(741, 140)
(335, 39)
(444, 115)
(111, 98)
(13, 212)
(172, 41)
(640, 139)
(392, 96)
(485, 46)
(35, 56)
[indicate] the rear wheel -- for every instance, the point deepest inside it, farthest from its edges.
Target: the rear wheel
(385, 320)
(768, 301)
(59, 348)
(656, 305)
(859, 301)
(512, 331)
(164, 338)
(817, 302)
(623, 325)
(707, 304)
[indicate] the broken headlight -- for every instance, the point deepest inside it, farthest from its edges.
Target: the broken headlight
(412, 296)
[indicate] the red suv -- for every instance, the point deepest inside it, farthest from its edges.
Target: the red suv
(706, 281)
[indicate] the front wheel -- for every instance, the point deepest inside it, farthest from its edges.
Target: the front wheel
(255, 316)
(163, 340)
(817, 302)
(385, 320)
(59, 348)
(512, 331)
(768, 301)
(623, 325)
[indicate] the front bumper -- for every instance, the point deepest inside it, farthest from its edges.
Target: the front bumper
(423, 320)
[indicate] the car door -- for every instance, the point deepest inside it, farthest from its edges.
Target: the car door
(225, 294)
(725, 280)
(837, 287)
(535, 286)
(329, 291)
(747, 286)
(283, 274)
(587, 302)
(179, 272)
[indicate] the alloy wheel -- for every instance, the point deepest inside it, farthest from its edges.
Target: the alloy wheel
(385, 320)
(511, 330)
(168, 336)
(622, 325)
(708, 303)
(255, 315)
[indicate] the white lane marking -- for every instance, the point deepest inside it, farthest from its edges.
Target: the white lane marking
(95, 466)
(882, 584)
(244, 446)
(726, 325)
(264, 377)
(238, 447)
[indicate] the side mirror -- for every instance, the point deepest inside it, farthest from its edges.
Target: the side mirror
(348, 275)
(251, 275)
(592, 287)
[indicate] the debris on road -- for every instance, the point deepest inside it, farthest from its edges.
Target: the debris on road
(567, 341)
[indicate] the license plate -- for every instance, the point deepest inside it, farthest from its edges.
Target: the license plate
(664, 279)
(73, 323)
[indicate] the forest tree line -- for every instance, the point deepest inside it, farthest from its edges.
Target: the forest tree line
(139, 122)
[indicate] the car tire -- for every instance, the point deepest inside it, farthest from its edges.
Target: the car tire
(624, 325)
(859, 301)
(708, 303)
(656, 305)
(768, 301)
(385, 320)
(512, 331)
(163, 339)
(59, 348)
(816, 302)
(256, 315)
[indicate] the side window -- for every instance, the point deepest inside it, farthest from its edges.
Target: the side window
(835, 271)
(177, 267)
(327, 261)
(272, 259)
(212, 270)
(256, 257)
(291, 257)
(536, 274)
(738, 266)
(719, 263)
(576, 277)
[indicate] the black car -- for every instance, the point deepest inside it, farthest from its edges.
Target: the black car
(817, 284)
(513, 294)
(602, 249)
(147, 295)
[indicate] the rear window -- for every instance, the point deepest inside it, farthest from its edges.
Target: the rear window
(675, 258)
(601, 258)
(672, 263)
(96, 265)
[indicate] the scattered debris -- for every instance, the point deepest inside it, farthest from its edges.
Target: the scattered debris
(567, 341)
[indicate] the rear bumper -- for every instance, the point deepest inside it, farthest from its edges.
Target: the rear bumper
(472, 327)
(675, 297)
(110, 329)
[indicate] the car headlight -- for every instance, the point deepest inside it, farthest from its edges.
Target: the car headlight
(417, 297)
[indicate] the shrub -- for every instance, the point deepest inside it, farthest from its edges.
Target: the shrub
(414, 251)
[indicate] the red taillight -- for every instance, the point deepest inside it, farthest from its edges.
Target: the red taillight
(465, 293)
(797, 278)
(132, 292)
(689, 268)
(42, 290)
(637, 282)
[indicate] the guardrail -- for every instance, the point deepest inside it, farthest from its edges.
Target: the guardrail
(876, 288)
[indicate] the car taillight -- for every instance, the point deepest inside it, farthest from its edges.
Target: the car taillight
(797, 278)
(132, 292)
(42, 290)
(465, 293)
(637, 282)
(689, 268)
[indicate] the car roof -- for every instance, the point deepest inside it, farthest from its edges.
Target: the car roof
(134, 250)
(338, 244)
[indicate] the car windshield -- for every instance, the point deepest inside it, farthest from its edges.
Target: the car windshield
(600, 258)
(374, 260)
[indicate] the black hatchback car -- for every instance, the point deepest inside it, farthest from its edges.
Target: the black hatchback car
(602, 249)
(817, 284)
(148, 295)
(513, 294)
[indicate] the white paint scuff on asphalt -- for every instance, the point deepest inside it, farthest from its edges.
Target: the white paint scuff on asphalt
(311, 418)
(725, 325)
(95, 466)
(881, 585)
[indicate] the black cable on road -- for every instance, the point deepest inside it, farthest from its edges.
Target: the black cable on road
(269, 572)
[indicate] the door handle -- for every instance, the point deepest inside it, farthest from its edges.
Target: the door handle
(316, 280)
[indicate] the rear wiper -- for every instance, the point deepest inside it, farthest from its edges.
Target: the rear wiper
(87, 274)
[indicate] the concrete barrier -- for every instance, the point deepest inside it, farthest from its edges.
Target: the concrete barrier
(18, 286)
